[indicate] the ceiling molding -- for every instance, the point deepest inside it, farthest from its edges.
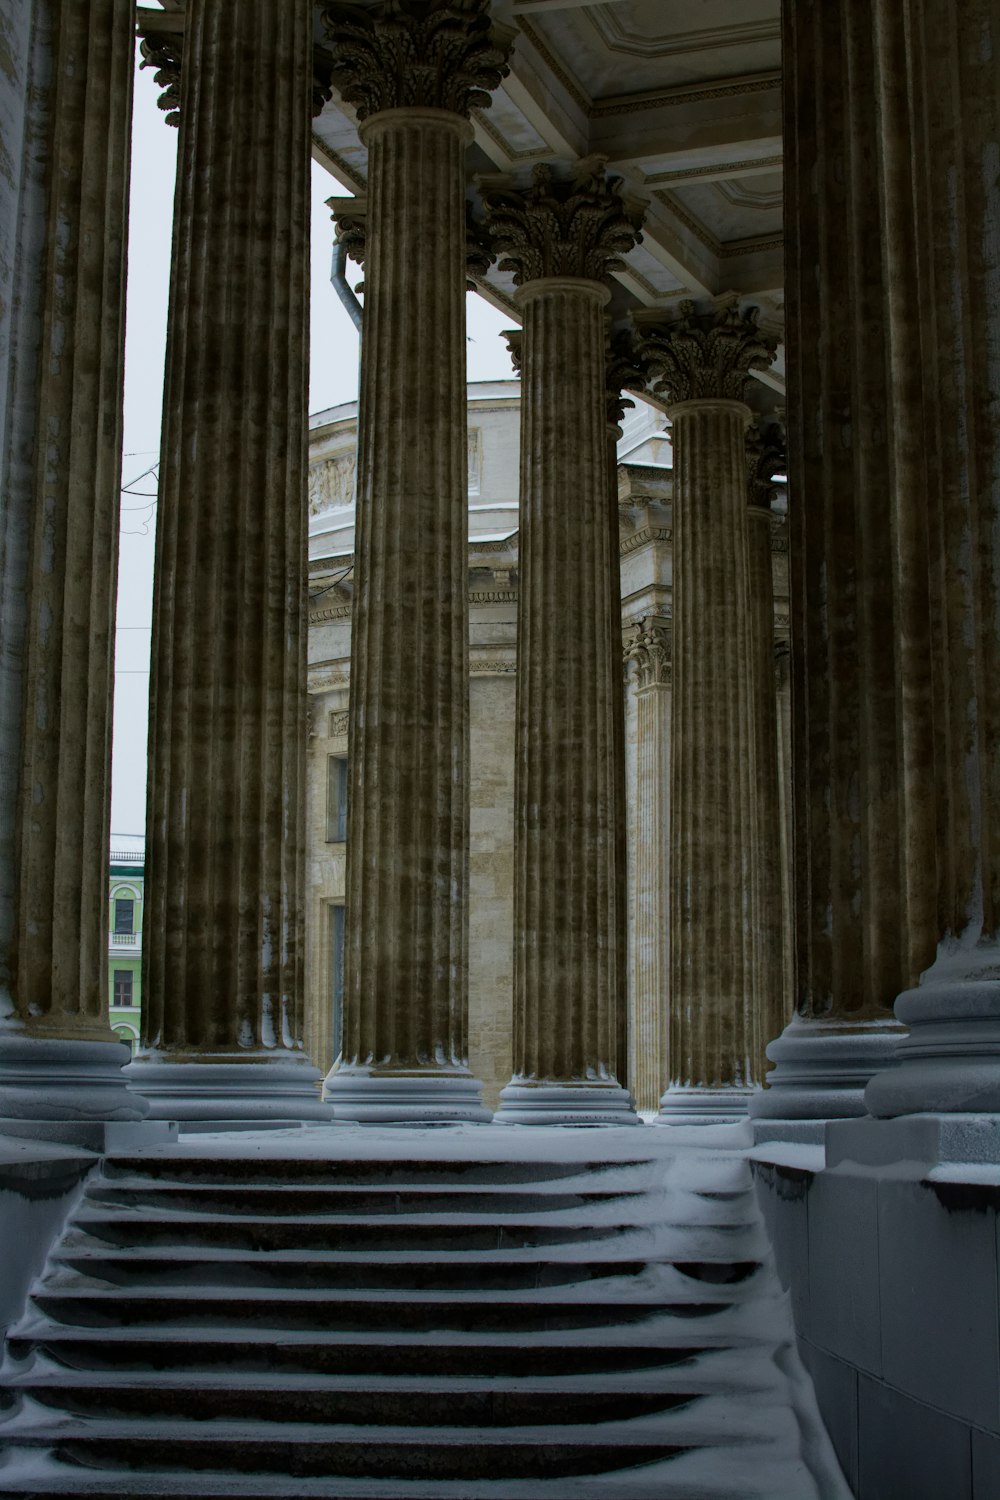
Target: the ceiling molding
(618, 38)
(714, 171)
(728, 88)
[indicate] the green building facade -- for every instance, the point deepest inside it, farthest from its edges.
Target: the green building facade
(125, 944)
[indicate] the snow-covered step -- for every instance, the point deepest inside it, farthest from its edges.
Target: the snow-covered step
(252, 1319)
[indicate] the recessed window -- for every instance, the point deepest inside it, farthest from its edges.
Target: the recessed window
(336, 799)
(124, 915)
(122, 986)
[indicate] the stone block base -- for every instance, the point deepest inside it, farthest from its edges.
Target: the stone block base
(362, 1096)
(578, 1104)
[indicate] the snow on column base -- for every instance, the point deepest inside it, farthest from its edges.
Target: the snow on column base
(821, 1068)
(47, 1078)
(362, 1095)
(230, 1090)
(949, 1063)
(686, 1105)
(581, 1103)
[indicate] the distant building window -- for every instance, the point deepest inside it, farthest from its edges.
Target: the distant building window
(124, 1035)
(122, 986)
(124, 914)
(336, 799)
(337, 976)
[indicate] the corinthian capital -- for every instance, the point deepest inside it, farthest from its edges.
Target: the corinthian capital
(705, 355)
(765, 450)
(651, 653)
(163, 51)
(431, 54)
(350, 215)
(623, 371)
(580, 226)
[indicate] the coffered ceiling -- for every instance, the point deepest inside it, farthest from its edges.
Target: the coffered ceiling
(682, 97)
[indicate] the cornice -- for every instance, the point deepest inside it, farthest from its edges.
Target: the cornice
(629, 104)
(644, 537)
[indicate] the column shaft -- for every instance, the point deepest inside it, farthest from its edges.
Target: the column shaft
(222, 931)
(769, 919)
(64, 344)
(406, 961)
(567, 1029)
(855, 947)
(713, 828)
(649, 929)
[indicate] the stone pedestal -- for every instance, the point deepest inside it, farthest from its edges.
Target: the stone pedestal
(66, 188)
(568, 1032)
(702, 362)
(405, 1052)
(222, 982)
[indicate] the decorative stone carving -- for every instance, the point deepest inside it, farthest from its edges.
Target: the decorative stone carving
(765, 449)
(350, 215)
(580, 226)
(331, 483)
(706, 355)
(650, 652)
(475, 461)
(164, 53)
(624, 373)
(338, 722)
(514, 339)
(416, 54)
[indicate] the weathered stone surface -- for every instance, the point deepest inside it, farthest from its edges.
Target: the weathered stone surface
(569, 1041)
(701, 361)
(765, 457)
(63, 342)
(222, 965)
(416, 54)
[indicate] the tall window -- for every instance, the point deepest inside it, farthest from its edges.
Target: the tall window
(336, 799)
(337, 976)
(122, 979)
(124, 914)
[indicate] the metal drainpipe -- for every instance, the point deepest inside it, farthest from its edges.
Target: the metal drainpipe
(338, 276)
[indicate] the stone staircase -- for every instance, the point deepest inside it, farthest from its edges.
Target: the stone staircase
(322, 1314)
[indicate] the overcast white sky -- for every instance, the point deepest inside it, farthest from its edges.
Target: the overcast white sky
(333, 377)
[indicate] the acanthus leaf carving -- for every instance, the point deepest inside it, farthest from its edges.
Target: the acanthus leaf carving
(164, 52)
(624, 372)
(650, 651)
(765, 454)
(438, 54)
(580, 226)
(707, 355)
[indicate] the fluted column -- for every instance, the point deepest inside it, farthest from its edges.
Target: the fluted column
(939, 128)
(649, 657)
(414, 76)
(561, 239)
(765, 456)
(222, 933)
(860, 716)
(67, 100)
(702, 363)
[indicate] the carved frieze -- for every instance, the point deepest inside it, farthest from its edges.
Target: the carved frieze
(331, 483)
(438, 54)
(705, 355)
(579, 226)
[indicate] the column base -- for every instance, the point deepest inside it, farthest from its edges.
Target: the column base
(369, 1096)
(46, 1078)
(949, 1063)
(581, 1104)
(230, 1090)
(821, 1068)
(683, 1105)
